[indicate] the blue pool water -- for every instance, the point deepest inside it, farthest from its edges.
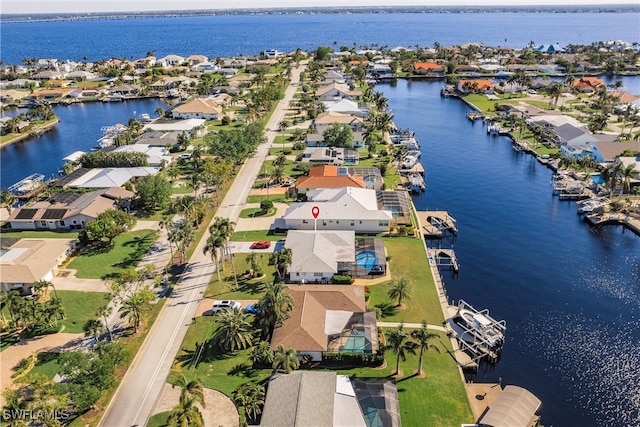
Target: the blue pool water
(597, 178)
(366, 259)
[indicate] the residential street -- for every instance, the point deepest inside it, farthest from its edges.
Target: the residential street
(136, 397)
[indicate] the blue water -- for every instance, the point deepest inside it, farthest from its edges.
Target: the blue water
(249, 34)
(366, 259)
(570, 294)
(598, 179)
(79, 129)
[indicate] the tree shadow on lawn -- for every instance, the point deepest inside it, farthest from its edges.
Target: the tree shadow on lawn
(94, 249)
(206, 352)
(243, 370)
(142, 245)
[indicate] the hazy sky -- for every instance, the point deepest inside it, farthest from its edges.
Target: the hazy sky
(48, 6)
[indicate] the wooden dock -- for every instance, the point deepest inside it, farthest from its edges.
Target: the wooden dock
(445, 258)
(435, 224)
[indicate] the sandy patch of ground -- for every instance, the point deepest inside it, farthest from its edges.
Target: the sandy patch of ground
(10, 357)
(219, 410)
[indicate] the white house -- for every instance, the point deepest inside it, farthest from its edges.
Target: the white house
(347, 208)
(196, 127)
(345, 106)
(331, 155)
(156, 156)
(31, 260)
(327, 118)
(335, 91)
(319, 255)
(170, 61)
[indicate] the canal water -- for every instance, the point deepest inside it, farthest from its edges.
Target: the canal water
(79, 129)
(570, 294)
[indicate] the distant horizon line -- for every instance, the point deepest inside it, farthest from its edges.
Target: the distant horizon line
(608, 6)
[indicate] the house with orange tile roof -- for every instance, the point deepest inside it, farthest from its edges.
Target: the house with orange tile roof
(587, 84)
(199, 108)
(328, 177)
(430, 68)
(475, 85)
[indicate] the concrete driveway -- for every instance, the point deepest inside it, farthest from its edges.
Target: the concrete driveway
(245, 247)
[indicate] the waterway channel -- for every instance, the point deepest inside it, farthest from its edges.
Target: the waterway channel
(570, 294)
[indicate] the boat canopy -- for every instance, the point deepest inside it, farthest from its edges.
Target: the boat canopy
(515, 407)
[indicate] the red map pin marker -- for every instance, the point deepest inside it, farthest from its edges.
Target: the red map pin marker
(315, 211)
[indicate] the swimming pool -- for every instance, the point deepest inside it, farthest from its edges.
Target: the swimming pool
(366, 259)
(597, 178)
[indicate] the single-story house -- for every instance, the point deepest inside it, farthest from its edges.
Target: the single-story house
(429, 68)
(345, 106)
(329, 177)
(327, 318)
(196, 127)
(170, 61)
(69, 211)
(587, 84)
(30, 260)
(156, 156)
(324, 399)
(327, 118)
(475, 85)
(331, 155)
(158, 139)
(335, 91)
(318, 256)
(109, 177)
(199, 108)
(346, 208)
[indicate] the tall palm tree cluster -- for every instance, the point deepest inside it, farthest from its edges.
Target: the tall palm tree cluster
(617, 175)
(217, 244)
(36, 311)
(398, 342)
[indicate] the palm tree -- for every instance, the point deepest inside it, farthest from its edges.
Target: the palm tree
(186, 414)
(422, 337)
(136, 305)
(104, 312)
(190, 389)
(93, 327)
(250, 397)
(282, 261)
(159, 111)
(397, 342)
(627, 173)
(275, 308)
(285, 360)
(234, 332)
(261, 354)
(400, 290)
(166, 223)
(254, 266)
(213, 243)
(282, 126)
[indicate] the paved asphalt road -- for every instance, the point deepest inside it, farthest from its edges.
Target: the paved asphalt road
(134, 400)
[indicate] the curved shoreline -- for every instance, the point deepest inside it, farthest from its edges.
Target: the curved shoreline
(31, 134)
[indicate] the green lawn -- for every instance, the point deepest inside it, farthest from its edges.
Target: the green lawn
(256, 213)
(247, 288)
(126, 252)
(424, 303)
(158, 420)
(275, 198)
(47, 364)
(80, 307)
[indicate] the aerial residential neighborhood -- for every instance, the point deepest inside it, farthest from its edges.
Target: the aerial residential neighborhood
(253, 249)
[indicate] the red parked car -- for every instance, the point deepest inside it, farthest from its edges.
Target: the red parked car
(262, 244)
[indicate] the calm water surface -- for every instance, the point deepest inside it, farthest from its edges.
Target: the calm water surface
(79, 129)
(249, 34)
(570, 294)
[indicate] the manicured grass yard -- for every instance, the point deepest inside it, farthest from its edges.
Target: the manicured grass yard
(47, 364)
(80, 307)
(424, 303)
(12, 234)
(126, 252)
(247, 288)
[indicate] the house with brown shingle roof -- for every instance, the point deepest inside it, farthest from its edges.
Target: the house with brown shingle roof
(68, 211)
(327, 318)
(327, 118)
(30, 260)
(334, 91)
(199, 108)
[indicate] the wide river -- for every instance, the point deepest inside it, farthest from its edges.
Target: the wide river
(570, 294)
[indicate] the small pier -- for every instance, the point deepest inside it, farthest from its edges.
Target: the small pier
(445, 258)
(437, 224)
(474, 115)
(28, 186)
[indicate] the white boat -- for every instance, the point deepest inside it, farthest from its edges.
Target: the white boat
(144, 118)
(27, 185)
(410, 159)
(590, 205)
(416, 183)
(115, 98)
(477, 328)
